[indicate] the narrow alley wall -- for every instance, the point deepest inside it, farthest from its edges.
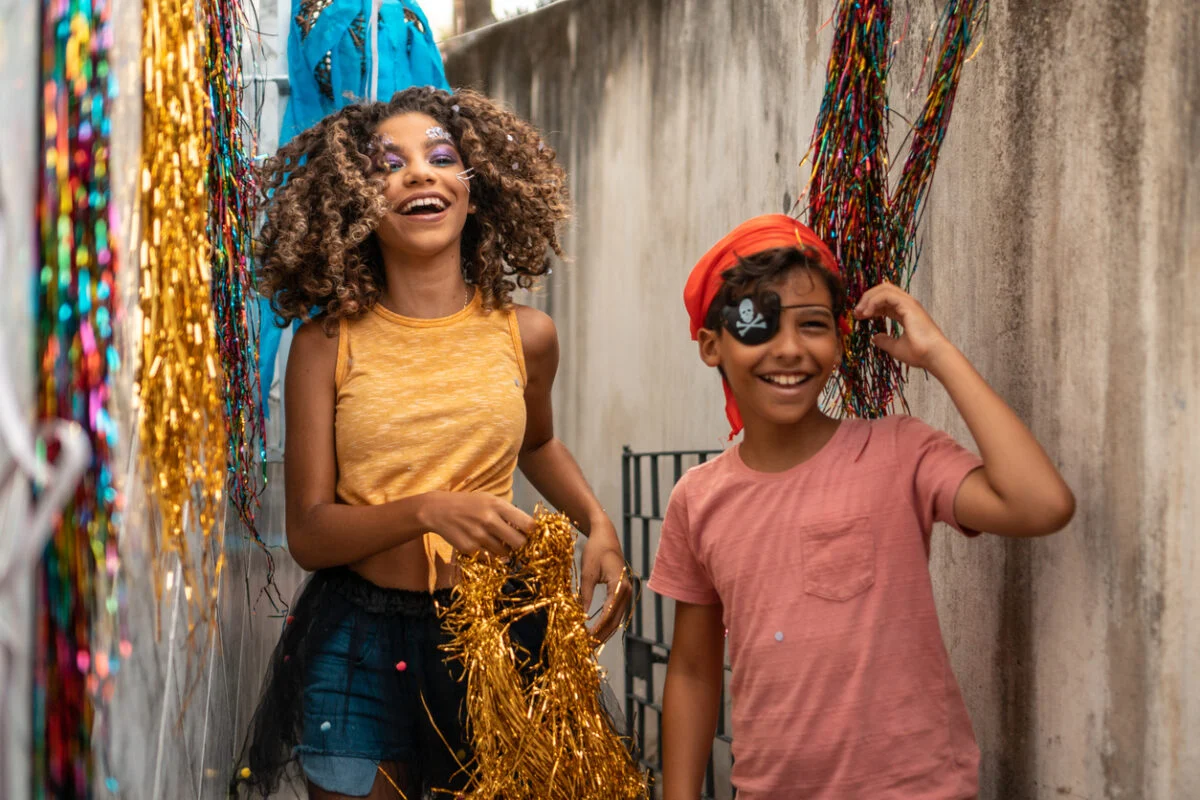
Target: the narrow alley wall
(1061, 252)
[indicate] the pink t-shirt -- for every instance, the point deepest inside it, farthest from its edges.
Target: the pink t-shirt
(841, 685)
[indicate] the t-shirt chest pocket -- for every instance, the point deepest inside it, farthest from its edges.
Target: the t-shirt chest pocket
(839, 557)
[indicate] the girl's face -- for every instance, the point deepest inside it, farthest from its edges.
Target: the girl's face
(780, 381)
(429, 203)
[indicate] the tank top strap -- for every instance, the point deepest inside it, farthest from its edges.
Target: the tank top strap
(514, 330)
(343, 354)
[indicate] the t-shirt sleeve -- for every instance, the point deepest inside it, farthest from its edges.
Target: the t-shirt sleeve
(678, 573)
(938, 466)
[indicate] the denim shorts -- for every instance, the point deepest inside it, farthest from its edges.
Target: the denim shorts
(359, 683)
(379, 690)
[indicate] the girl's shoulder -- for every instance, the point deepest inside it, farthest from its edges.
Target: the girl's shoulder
(537, 327)
(315, 337)
(314, 349)
(539, 339)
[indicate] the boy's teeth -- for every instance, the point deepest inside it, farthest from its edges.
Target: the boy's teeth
(785, 380)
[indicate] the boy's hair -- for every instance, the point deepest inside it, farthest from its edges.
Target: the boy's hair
(323, 196)
(754, 273)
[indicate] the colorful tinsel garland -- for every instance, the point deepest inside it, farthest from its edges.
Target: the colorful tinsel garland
(231, 217)
(871, 226)
(80, 636)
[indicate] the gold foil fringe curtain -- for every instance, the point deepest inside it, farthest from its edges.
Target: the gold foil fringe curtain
(536, 723)
(180, 415)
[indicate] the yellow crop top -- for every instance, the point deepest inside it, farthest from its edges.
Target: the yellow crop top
(428, 405)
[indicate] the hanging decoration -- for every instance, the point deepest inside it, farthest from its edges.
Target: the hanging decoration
(231, 216)
(536, 724)
(80, 634)
(870, 226)
(181, 411)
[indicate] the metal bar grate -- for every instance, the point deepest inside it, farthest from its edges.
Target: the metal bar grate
(646, 483)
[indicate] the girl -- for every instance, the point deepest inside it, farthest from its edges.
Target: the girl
(410, 400)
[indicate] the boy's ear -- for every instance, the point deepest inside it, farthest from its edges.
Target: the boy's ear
(710, 346)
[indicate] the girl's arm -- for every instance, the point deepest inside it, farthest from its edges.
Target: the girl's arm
(552, 470)
(322, 532)
(691, 698)
(1019, 492)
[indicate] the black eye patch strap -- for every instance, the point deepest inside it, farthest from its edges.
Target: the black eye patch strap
(753, 321)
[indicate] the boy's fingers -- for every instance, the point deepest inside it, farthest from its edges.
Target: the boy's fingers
(886, 343)
(509, 535)
(879, 305)
(869, 303)
(608, 622)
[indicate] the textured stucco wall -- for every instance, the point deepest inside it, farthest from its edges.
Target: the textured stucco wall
(1061, 253)
(18, 159)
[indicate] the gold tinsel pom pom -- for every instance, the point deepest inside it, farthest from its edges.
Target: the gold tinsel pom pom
(537, 727)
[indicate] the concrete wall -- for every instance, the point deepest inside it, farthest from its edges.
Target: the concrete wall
(18, 159)
(1061, 252)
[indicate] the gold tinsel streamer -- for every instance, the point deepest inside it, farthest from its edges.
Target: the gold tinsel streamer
(545, 737)
(181, 425)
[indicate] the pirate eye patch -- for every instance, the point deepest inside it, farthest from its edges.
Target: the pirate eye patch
(751, 321)
(755, 320)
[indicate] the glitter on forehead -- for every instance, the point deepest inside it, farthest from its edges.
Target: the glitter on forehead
(437, 132)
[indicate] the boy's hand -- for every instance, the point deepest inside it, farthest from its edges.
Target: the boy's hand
(921, 340)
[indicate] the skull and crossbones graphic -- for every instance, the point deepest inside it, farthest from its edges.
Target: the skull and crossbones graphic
(748, 317)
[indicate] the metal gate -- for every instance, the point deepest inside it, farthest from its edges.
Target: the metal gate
(646, 483)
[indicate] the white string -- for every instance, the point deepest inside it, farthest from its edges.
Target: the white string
(373, 28)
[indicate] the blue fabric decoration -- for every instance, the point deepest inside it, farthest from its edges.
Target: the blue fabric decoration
(330, 58)
(335, 59)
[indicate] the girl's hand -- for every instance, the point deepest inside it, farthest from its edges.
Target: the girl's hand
(474, 521)
(604, 563)
(920, 343)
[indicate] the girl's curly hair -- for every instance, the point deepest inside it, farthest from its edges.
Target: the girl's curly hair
(323, 195)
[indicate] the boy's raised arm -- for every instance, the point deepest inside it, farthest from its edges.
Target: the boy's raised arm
(1019, 492)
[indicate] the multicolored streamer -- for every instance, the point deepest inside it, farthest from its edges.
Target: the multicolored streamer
(871, 229)
(181, 408)
(231, 215)
(81, 639)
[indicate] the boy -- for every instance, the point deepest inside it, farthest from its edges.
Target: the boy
(807, 544)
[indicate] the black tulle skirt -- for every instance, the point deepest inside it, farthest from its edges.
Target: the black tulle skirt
(359, 679)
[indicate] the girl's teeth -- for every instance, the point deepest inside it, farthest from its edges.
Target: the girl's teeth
(432, 204)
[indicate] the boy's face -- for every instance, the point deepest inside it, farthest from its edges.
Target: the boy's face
(780, 381)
